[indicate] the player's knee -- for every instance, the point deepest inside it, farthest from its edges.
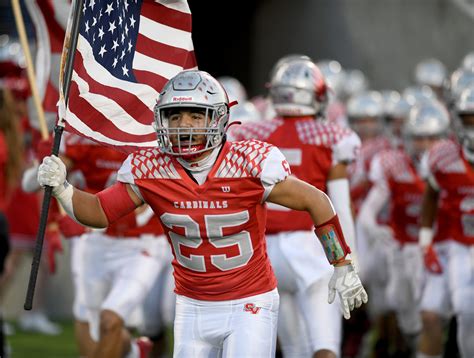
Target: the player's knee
(432, 322)
(110, 322)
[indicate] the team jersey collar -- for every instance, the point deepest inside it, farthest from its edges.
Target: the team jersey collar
(190, 177)
(203, 164)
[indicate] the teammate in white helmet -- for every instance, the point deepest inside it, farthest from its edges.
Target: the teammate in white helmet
(355, 82)
(396, 109)
(318, 153)
(209, 195)
(398, 181)
(460, 80)
(366, 117)
(447, 235)
(468, 61)
(432, 72)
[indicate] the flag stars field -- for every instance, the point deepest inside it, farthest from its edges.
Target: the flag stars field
(121, 66)
(110, 8)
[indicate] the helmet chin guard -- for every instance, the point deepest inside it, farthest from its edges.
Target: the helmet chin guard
(191, 90)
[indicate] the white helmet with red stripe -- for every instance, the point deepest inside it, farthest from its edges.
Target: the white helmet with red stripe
(298, 89)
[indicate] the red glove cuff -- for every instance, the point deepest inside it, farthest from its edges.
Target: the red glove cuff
(331, 237)
(116, 202)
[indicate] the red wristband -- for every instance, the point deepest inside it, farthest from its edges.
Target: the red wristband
(116, 202)
(331, 237)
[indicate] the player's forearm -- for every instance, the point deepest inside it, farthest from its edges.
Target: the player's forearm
(429, 207)
(298, 195)
(88, 210)
(338, 192)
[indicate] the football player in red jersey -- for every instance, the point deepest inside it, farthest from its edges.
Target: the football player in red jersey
(397, 178)
(210, 198)
(317, 151)
(449, 249)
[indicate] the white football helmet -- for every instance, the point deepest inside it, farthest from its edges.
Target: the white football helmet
(283, 60)
(355, 82)
(192, 89)
(365, 113)
(418, 94)
(431, 72)
(461, 79)
(245, 112)
(396, 110)
(426, 123)
(298, 89)
(334, 75)
(427, 120)
(234, 88)
(464, 121)
(468, 61)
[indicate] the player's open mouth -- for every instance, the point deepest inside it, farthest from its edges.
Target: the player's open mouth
(186, 140)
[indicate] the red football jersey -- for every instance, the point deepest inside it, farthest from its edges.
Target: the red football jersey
(395, 170)
(454, 176)
(311, 148)
(216, 230)
(99, 165)
(359, 170)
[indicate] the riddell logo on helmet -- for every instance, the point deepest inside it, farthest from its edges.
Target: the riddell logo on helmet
(182, 99)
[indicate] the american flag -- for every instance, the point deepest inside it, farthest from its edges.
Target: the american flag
(49, 19)
(126, 51)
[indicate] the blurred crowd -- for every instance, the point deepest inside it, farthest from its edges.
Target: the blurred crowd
(399, 265)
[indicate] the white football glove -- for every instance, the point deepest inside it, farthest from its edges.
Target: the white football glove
(29, 180)
(52, 172)
(346, 283)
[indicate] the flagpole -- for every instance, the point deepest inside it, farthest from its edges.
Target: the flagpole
(20, 26)
(70, 43)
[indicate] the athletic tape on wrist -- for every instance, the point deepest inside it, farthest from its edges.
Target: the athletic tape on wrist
(116, 202)
(331, 237)
(425, 237)
(65, 199)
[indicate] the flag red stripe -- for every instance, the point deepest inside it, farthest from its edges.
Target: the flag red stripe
(55, 31)
(122, 148)
(166, 53)
(151, 79)
(51, 97)
(134, 107)
(99, 123)
(166, 16)
(190, 61)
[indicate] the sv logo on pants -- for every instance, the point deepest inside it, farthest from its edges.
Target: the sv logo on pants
(250, 307)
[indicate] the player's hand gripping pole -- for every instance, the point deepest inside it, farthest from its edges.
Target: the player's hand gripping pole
(70, 43)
